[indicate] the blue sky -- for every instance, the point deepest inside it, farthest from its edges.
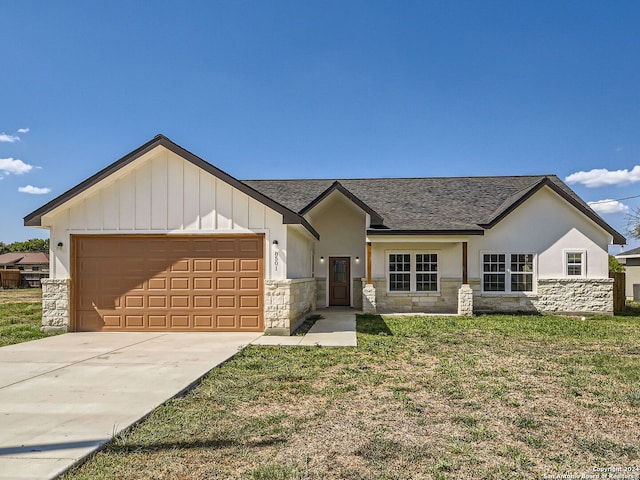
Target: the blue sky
(322, 89)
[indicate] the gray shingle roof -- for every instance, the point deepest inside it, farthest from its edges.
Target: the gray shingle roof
(445, 204)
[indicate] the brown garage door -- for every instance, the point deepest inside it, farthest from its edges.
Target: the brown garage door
(143, 283)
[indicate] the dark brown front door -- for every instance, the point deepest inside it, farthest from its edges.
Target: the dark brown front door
(339, 286)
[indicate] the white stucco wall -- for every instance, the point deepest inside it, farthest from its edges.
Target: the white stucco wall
(342, 228)
(545, 225)
(299, 251)
(161, 193)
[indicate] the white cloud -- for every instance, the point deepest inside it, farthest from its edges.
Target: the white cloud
(15, 166)
(609, 206)
(601, 177)
(34, 190)
(5, 137)
(23, 130)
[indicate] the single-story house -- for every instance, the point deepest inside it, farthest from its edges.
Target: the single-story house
(631, 262)
(33, 266)
(163, 240)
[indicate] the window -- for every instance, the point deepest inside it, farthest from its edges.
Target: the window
(496, 277)
(413, 272)
(399, 272)
(426, 272)
(574, 264)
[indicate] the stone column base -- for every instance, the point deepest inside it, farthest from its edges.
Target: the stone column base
(369, 299)
(55, 305)
(465, 301)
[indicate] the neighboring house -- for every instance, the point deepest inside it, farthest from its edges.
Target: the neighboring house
(163, 240)
(33, 266)
(631, 262)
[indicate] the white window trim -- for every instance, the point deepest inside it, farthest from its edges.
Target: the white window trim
(412, 273)
(565, 262)
(507, 272)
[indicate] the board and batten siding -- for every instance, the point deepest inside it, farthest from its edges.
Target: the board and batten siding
(161, 193)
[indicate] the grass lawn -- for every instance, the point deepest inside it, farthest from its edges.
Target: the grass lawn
(20, 315)
(439, 397)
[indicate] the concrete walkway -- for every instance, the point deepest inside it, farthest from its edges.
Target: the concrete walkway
(336, 328)
(62, 397)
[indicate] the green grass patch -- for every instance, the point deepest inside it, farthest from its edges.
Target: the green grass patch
(20, 322)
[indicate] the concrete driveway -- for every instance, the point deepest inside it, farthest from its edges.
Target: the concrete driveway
(62, 397)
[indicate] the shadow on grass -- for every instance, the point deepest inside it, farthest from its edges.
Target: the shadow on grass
(372, 325)
(218, 443)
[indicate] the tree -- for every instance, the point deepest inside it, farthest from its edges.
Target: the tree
(614, 265)
(633, 223)
(32, 245)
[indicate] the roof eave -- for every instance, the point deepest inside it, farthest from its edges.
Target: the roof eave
(374, 232)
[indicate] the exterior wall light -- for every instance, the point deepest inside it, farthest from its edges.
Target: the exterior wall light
(59, 244)
(321, 259)
(275, 245)
(357, 259)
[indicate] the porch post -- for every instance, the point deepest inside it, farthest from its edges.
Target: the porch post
(465, 279)
(465, 294)
(368, 263)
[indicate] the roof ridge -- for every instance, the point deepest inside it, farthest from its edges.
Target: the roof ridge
(338, 179)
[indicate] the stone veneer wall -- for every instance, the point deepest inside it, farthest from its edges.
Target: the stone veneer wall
(553, 296)
(55, 305)
(446, 301)
(286, 303)
(321, 292)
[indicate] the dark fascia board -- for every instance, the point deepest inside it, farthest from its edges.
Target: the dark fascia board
(34, 219)
(376, 219)
(618, 239)
(424, 232)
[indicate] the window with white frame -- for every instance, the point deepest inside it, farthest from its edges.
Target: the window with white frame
(507, 272)
(413, 272)
(574, 263)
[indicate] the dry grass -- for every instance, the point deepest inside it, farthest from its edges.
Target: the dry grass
(487, 397)
(20, 295)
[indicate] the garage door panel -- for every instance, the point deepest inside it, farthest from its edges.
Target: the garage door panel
(225, 301)
(249, 283)
(203, 321)
(226, 283)
(134, 321)
(249, 265)
(203, 265)
(203, 283)
(180, 283)
(249, 301)
(202, 301)
(112, 321)
(226, 321)
(157, 284)
(249, 321)
(160, 322)
(226, 265)
(180, 321)
(142, 283)
(179, 301)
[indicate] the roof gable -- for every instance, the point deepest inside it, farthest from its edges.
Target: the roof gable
(336, 186)
(34, 219)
